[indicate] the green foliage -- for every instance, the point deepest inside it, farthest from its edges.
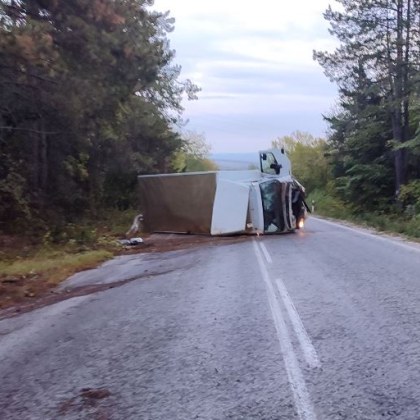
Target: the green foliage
(307, 155)
(412, 227)
(365, 186)
(90, 97)
(410, 194)
(199, 165)
(87, 233)
(328, 205)
(374, 144)
(120, 189)
(394, 222)
(192, 157)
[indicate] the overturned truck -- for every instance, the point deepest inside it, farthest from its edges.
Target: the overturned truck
(268, 200)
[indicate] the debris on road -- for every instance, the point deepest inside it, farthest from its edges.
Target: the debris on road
(131, 242)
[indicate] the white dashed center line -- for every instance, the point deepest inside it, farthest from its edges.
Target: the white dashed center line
(297, 382)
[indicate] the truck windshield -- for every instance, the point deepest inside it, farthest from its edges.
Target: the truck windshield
(276, 201)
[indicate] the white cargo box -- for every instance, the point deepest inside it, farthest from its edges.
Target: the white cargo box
(221, 202)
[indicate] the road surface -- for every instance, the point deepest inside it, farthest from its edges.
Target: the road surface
(321, 324)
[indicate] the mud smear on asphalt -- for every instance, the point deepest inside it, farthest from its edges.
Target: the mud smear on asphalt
(90, 402)
(55, 297)
(163, 242)
(156, 243)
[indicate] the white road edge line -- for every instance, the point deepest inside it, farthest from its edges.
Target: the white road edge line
(305, 342)
(266, 253)
(410, 247)
(297, 382)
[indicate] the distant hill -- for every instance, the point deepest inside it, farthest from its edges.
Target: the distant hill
(236, 161)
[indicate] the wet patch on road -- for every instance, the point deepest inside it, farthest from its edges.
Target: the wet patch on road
(90, 402)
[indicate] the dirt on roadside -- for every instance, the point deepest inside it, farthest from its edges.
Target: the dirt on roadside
(32, 290)
(164, 242)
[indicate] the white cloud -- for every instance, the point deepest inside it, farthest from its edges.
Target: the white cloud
(253, 62)
(256, 105)
(268, 14)
(285, 53)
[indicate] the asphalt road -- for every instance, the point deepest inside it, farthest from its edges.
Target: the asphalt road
(321, 324)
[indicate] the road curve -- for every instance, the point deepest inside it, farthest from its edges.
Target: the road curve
(320, 324)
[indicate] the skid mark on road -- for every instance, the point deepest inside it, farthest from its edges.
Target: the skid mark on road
(297, 382)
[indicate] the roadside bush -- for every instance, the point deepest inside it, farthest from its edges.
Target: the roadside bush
(413, 227)
(70, 234)
(392, 221)
(15, 214)
(410, 195)
(90, 233)
(328, 205)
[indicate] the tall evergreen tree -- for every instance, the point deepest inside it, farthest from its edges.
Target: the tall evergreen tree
(89, 94)
(375, 68)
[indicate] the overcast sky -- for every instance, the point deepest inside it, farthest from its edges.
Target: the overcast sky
(253, 61)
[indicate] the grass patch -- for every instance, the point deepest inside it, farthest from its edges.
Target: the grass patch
(390, 222)
(329, 206)
(31, 266)
(28, 278)
(55, 266)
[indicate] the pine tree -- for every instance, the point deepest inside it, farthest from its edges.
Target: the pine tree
(89, 95)
(378, 55)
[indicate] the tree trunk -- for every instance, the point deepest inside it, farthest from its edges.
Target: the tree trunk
(400, 114)
(34, 167)
(400, 161)
(43, 159)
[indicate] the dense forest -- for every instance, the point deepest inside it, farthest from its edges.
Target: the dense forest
(374, 139)
(89, 98)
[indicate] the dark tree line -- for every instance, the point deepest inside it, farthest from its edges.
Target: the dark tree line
(375, 132)
(89, 96)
